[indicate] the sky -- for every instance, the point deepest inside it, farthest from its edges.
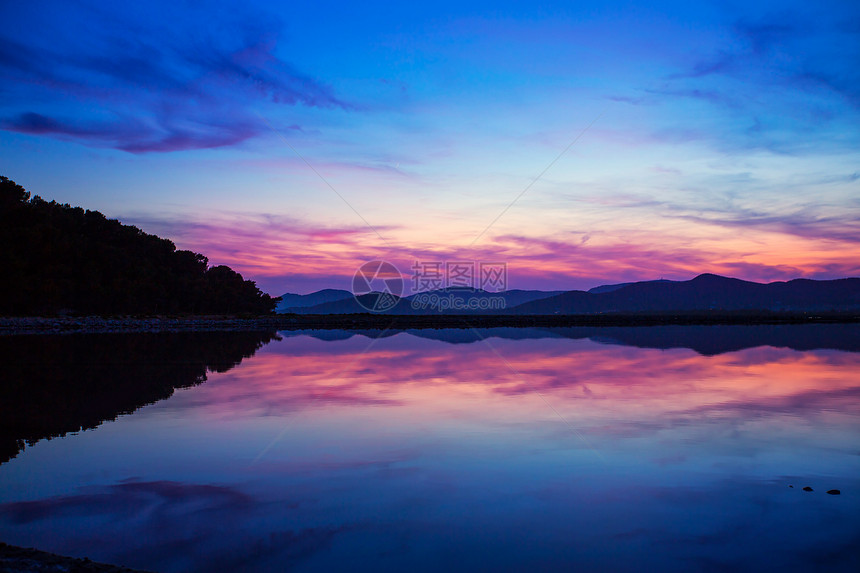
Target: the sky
(579, 143)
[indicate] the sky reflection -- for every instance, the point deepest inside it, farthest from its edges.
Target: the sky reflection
(406, 452)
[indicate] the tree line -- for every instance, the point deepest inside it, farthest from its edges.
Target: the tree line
(60, 259)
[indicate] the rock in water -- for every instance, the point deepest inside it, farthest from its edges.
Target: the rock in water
(807, 488)
(833, 491)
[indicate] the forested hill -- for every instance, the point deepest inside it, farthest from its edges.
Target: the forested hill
(60, 259)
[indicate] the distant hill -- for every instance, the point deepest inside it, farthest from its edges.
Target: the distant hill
(432, 302)
(291, 301)
(343, 306)
(474, 302)
(61, 259)
(610, 288)
(706, 292)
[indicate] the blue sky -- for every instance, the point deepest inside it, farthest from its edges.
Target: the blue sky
(715, 137)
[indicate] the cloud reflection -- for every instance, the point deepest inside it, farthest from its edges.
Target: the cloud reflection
(610, 390)
(414, 453)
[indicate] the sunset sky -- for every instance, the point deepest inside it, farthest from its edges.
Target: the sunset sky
(580, 142)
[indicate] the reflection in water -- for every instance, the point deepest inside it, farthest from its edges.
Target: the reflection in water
(506, 452)
(703, 339)
(58, 384)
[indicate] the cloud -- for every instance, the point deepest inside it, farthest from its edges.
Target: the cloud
(39, 124)
(279, 252)
(161, 523)
(806, 404)
(751, 42)
(150, 87)
(126, 498)
(285, 254)
(711, 96)
(136, 137)
(780, 83)
(800, 224)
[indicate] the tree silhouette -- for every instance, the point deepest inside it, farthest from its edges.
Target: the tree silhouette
(61, 259)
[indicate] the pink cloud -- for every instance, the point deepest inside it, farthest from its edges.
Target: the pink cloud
(288, 255)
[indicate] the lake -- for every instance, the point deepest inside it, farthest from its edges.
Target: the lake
(589, 449)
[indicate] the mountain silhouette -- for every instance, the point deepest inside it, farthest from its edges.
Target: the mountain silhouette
(612, 287)
(429, 302)
(706, 292)
(290, 301)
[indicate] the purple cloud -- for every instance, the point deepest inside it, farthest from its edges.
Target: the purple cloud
(135, 137)
(150, 89)
(39, 124)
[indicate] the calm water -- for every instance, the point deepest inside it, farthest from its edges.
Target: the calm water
(612, 450)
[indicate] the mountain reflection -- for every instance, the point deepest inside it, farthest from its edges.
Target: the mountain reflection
(455, 450)
(707, 340)
(58, 384)
(611, 389)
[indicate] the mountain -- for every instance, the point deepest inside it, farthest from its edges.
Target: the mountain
(443, 301)
(457, 301)
(291, 301)
(344, 306)
(610, 288)
(706, 292)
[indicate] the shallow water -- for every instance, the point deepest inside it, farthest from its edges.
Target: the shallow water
(464, 450)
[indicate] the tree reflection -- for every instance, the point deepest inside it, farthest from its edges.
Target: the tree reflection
(55, 384)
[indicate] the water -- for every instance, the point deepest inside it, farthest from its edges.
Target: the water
(668, 449)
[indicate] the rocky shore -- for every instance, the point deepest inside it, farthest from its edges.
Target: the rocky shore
(97, 324)
(21, 560)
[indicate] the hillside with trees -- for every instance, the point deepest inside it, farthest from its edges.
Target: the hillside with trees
(60, 259)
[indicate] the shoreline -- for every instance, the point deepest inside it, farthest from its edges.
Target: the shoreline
(16, 558)
(108, 325)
